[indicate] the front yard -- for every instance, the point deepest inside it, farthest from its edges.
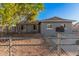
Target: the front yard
(34, 45)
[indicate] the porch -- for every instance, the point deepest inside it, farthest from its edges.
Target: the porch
(27, 28)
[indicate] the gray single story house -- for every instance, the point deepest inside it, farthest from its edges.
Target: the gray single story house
(46, 27)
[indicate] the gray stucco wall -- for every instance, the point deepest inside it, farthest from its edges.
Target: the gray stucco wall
(51, 32)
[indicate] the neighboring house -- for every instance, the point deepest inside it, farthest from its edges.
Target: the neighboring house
(76, 27)
(46, 27)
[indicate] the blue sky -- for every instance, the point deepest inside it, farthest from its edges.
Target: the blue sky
(63, 10)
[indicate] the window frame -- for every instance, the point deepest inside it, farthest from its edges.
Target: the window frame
(34, 27)
(49, 26)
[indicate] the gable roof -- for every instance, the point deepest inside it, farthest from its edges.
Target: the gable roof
(57, 19)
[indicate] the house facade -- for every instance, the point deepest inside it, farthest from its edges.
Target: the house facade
(46, 27)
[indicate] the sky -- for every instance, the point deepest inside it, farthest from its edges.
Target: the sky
(63, 10)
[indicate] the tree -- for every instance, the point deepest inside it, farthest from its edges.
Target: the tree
(12, 12)
(30, 10)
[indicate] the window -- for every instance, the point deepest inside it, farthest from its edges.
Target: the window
(22, 27)
(63, 25)
(49, 26)
(34, 27)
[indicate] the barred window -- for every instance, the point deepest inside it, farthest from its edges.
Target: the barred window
(22, 27)
(49, 26)
(34, 27)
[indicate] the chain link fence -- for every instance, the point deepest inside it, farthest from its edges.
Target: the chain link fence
(37, 45)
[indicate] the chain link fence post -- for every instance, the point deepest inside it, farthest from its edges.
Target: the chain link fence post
(10, 45)
(59, 43)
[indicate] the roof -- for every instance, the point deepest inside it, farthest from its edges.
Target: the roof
(57, 19)
(53, 19)
(26, 22)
